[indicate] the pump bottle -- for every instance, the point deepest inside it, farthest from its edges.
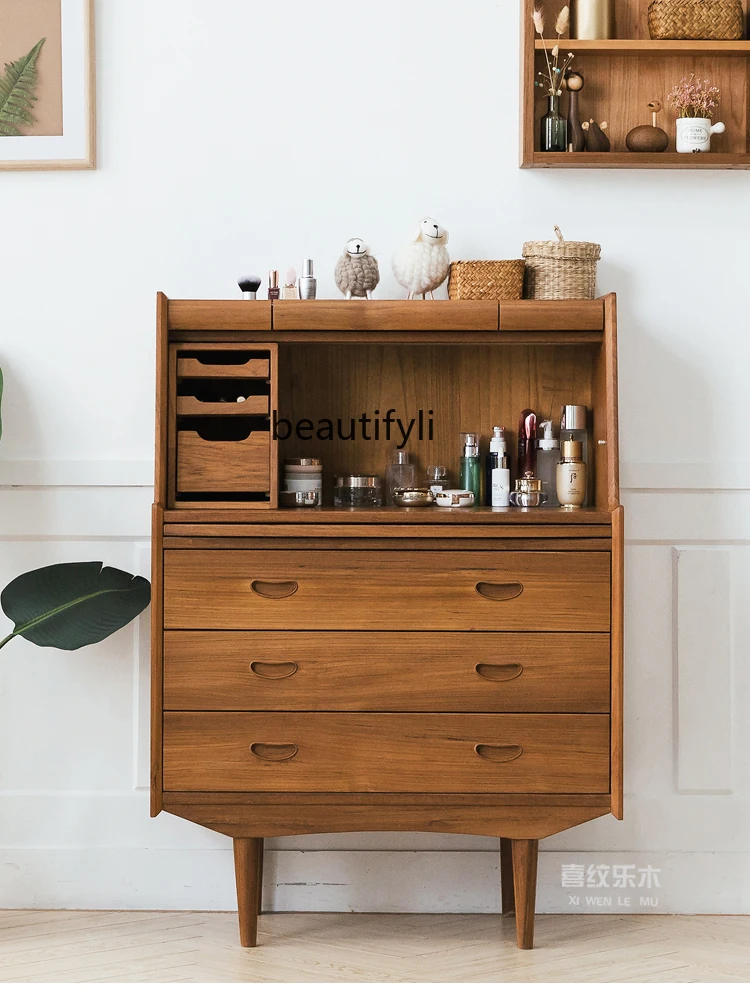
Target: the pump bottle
(471, 468)
(497, 481)
(547, 460)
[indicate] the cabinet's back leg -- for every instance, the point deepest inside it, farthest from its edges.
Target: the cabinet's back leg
(525, 855)
(261, 860)
(508, 897)
(246, 865)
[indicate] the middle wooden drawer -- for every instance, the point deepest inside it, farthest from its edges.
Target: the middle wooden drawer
(387, 590)
(386, 672)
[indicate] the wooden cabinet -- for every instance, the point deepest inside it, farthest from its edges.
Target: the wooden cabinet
(332, 670)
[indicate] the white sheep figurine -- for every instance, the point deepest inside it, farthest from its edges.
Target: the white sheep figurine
(422, 265)
(357, 273)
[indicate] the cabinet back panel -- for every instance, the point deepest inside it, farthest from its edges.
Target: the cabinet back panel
(468, 389)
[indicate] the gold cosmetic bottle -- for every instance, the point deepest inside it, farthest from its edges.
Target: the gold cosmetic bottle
(592, 19)
(571, 476)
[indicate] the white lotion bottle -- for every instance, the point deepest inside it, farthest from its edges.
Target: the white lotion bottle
(547, 460)
(499, 473)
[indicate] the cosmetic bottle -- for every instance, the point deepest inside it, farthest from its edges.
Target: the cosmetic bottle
(571, 476)
(497, 478)
(526, 444)
(308, 285)
(399, 474)
(437, 478)
(289, 291)
(574, 427)
(273, 285)
(547, 460)
(471, 477)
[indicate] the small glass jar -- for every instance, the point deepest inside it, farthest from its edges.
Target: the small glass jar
(303, 475)
(528, 492)
(437, 478)
(358, 491)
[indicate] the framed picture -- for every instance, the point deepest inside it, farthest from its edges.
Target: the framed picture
(47, 104)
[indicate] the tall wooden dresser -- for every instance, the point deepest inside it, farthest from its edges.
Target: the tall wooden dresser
(334, 669)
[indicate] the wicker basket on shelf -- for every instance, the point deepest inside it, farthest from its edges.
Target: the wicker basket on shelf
(486, 279)
(560, 269)
(715, 20)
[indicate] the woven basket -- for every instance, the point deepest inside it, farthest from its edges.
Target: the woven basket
(717, 20)
(486, 279)
(560, 269)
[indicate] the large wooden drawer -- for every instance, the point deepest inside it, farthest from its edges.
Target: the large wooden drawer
(388, 590)
(386, 671)
(343, 752)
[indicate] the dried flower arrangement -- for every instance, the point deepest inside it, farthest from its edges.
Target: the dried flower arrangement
(555, 72)
(694, 98)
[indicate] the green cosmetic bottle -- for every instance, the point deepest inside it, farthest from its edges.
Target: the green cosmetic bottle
(471, 477)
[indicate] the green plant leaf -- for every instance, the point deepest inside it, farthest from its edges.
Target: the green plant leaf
(71, 605)
(18, 92)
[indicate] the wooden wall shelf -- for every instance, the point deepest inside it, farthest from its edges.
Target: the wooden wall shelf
(622, 75)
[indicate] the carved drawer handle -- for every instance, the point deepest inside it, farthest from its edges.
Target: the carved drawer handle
(499, 671)
(498, 755)
(274, 751)
(499, 591)
(274, 591)
(274, 671)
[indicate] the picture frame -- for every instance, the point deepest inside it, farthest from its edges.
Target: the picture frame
(56, 129)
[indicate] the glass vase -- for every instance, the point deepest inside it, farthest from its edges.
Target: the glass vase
(554, 128)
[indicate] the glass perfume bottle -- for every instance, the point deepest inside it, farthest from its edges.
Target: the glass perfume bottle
(400, 473)
(554, 128)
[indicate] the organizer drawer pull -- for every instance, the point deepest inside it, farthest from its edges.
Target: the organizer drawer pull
(274, 751)
(499, 591)
(274, 671)
(499, 671)
(498, 755)
(274, 591)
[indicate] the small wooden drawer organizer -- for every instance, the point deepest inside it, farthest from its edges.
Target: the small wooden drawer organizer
(334, 670)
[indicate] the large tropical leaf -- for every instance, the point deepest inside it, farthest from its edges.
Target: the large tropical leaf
(18, 92)
(73, 604)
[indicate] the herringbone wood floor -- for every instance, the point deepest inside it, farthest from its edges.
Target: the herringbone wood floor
(137, 947)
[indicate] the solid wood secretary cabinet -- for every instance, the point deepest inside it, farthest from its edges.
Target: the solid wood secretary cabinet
(332, 669)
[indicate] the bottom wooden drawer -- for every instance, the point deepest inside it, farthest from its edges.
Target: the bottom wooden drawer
(371, 752)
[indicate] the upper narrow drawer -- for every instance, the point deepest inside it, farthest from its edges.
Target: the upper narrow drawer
(394, 591)
(395, 315)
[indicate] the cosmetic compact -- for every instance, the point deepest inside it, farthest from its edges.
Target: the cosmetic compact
(528, 492)
(299, 498)
(454, 498)
(413, 496)
(358, 491)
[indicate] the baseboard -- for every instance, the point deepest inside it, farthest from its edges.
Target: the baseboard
(366, 881)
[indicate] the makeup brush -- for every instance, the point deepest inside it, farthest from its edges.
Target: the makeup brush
(249, 286)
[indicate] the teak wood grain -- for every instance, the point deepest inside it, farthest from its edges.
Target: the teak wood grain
(618, 660)
(360, 752)
(281, 815)
(157, 658)
(525, 859)
(343, 590)
(386, 672)
(223, 466)
(197, 314)
(385, 315)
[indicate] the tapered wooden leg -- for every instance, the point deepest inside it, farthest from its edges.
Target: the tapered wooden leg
(525, 856)
(261, 859)
(508, 896)
(246, 858)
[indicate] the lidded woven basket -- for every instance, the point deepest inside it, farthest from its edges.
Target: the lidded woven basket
(486, 279)
(560, 269)
(715, 20)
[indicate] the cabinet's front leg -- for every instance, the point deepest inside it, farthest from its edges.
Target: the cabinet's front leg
(508, 897)
(246, 865)
(525, 855)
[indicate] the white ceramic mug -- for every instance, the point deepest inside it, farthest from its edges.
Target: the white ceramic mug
(694, 134)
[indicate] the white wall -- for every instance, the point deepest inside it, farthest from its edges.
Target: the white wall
(235, 137)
